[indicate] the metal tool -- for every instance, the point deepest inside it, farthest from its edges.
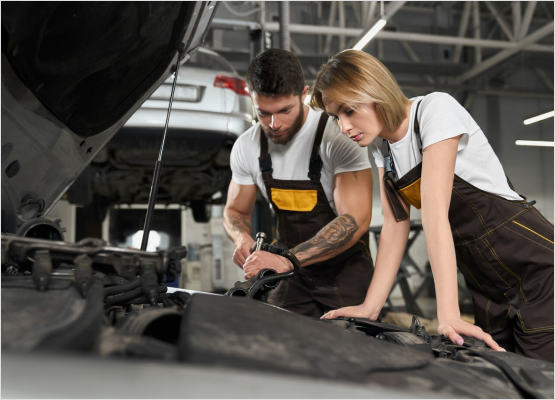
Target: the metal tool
(266, 279)
(260, 239)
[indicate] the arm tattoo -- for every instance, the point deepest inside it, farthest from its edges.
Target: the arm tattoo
(240, 224)
(329, 241)
(237, 224)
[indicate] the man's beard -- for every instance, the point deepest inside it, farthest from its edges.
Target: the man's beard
(290, 133)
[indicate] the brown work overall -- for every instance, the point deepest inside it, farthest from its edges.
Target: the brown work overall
(504, 250)
(302, 210)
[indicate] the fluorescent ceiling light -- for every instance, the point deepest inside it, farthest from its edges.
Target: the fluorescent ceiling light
(538, 118)
(540, 143)
(369, 35)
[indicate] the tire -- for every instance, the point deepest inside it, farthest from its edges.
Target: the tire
(201, 211)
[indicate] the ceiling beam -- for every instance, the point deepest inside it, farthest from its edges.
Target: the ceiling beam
(462, 30)
(535, 94)
(504, 54)
(392, 9)
(525, 25)
(544, 77)
(413, 57)
(486, 17)
(388, 13)
(500, 20)
(516, 17)
(409, 37)
(476, 26)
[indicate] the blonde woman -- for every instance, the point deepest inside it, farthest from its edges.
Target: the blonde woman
(432, 155)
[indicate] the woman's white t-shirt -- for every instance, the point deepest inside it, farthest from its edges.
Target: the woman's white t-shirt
(441, 117)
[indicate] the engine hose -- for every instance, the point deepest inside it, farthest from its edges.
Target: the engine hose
(124, 297)
(126, 287)
(237, 292)
(133, 296)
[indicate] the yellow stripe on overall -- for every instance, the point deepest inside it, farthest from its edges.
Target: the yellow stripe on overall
(295, 200)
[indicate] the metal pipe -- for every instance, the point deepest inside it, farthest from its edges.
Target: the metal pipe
(500, 20)
(342, 24)
(516, 17)
(544, 77)
(331, 20)
(409, 37)
(476, 24)
(284, 21)
(234, 23)
(525, 25)
(502, 55)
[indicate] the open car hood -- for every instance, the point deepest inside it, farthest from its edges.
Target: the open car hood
(72, 75)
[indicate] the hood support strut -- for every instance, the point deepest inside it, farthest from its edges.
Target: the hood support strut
(158, 166)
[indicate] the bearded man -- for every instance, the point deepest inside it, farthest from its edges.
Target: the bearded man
(317, 181)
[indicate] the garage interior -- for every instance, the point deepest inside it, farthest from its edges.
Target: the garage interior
(496, 58)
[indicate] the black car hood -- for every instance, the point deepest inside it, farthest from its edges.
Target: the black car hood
(72, 74)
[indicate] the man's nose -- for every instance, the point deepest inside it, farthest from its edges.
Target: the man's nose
(274, 123)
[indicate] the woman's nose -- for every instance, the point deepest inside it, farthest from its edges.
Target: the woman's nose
(345, 127)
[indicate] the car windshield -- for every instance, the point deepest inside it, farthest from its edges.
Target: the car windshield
(208, 61)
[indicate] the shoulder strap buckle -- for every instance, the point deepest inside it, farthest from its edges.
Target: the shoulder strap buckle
(265, 164)
(264, 161)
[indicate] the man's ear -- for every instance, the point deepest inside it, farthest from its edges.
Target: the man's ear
(305, 92)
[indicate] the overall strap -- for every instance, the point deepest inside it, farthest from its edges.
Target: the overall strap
(315, 165)
(417, 127)
(386, 150)
(264, 161)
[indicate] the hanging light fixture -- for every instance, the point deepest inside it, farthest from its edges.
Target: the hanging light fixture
(538, 143)
(538, 118)
(372, 32)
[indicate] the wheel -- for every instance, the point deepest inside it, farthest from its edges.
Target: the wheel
(201, 211)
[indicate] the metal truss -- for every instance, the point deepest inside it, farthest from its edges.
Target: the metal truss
(518, 26)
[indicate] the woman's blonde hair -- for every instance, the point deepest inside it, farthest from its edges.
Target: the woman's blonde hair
(353, 78)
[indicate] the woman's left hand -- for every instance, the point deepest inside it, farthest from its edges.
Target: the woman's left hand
(263, 259)
(455, 327)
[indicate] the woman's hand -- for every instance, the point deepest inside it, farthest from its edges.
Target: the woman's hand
(455, 327)
(355, 311)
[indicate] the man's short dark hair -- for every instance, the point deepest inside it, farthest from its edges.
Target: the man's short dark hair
(275, 72)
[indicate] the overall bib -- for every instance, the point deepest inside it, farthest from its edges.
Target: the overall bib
(302, 210)
(504, 250)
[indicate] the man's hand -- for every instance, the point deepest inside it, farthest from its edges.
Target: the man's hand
(456, 327)
(242, 251)
(237, 219)
(263, 259)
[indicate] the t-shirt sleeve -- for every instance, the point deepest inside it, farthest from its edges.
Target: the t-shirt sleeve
(344, 154)
(238, 162)
(377, 153)
(441, 117)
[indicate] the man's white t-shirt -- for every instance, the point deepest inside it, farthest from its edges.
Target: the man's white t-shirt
(290, 161)
(441, 117)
